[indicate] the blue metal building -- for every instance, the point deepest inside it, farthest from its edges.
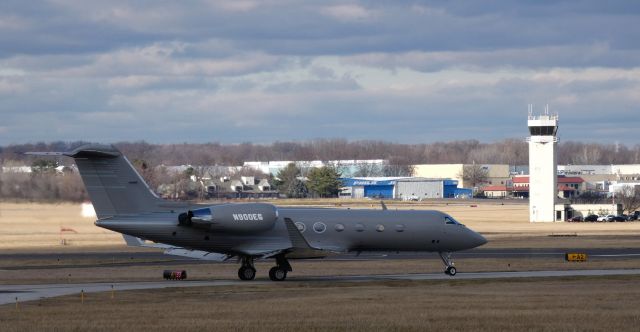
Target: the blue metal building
(404, 188)
(451, 190)
(361, 188)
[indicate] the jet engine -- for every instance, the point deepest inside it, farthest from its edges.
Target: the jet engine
(232, 218)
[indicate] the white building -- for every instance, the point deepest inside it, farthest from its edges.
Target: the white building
(542, 167)
(497, 174)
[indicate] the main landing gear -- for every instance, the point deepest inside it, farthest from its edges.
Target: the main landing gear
(279, 272)
(247, 271)
(448, 263)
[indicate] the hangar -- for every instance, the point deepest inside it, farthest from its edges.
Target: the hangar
(403, 188)
(368, 187)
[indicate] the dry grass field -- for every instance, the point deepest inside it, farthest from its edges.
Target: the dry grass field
(37, 225)
(547, 304)
(571, 304)
(29, 225)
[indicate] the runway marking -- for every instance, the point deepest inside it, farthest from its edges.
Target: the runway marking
(8, 293)
(615, 255)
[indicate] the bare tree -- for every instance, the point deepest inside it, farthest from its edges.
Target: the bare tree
(508, 151)
(474, 174)
(629, 196)
(398, 165)
(368, 170)
(588, 197)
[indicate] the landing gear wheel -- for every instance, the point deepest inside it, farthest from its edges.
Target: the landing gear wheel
(277, 273)
(448, 263)
(246, 273)
(450, 271)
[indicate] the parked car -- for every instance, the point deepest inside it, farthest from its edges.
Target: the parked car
(632, 217)
(576, 219)
(591, 218)
(602, 218)
(619, 218)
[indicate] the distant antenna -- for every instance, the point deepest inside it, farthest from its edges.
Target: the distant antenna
(546, 109)
(530, 109)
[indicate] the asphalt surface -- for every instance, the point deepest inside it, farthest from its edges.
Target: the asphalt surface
(155, 257)
(22, 293)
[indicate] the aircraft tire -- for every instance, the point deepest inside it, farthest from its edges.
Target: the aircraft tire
(246, 273)
(277, 274)
(450, 271)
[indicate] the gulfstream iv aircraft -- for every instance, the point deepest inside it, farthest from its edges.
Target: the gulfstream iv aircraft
(124, 203)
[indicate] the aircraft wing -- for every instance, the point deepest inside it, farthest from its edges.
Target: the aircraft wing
(197, 254)
(300, 248)
(176, 251)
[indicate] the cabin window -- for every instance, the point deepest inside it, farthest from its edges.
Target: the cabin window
(339, 227)
(359, 227)
(380, 228)
(319, 227)
(301, 227)
(399, 228)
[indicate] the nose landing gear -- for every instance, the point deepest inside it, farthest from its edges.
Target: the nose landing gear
(448, 263)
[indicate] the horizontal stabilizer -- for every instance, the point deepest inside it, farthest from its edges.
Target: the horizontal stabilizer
(48, 154)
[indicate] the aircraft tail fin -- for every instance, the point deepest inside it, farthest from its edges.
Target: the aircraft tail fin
(113, 184)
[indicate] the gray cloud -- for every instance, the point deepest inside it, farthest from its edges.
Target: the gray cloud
(167, 71)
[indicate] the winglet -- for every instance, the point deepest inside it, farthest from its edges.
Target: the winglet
(384, 206)
(133, 241)
(297, 240)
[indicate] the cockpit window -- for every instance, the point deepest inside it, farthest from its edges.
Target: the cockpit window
(451, 221)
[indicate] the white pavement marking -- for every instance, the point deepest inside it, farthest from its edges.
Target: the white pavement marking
(615, 255)
(8, 293)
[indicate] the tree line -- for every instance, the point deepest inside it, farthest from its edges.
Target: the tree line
(508, 151)
(47, 184)
(44, 183)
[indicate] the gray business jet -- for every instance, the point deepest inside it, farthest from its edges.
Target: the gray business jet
(124, 203)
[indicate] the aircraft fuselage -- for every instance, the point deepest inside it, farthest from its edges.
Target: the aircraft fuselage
(333, 230)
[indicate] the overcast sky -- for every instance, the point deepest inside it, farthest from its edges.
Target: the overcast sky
(262, 71)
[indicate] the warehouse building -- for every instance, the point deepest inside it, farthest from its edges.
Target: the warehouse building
(402, 188)
(422, 188)
(497, 174)
(368, 187)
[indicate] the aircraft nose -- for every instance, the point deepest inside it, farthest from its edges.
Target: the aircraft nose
(477, 239)
(474, 239)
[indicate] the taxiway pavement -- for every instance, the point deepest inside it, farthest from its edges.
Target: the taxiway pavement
(22, 293)
(156, 257)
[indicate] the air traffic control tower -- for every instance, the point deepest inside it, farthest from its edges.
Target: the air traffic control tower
(542, 166)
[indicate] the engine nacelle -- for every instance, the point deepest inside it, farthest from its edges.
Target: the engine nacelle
(232, 218)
